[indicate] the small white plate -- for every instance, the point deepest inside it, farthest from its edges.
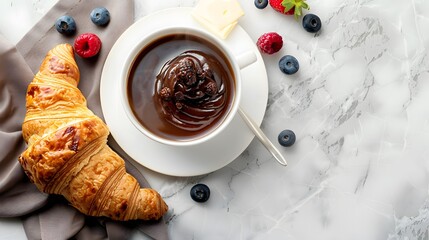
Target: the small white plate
(182, 161)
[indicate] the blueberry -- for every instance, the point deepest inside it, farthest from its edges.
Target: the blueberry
(261, 4)
(200, 192)
(65, 25)
(288, 64)
(311, 23)
(100, 16)
(287, 138)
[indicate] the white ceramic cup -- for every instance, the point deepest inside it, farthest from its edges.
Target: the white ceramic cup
(237, 62)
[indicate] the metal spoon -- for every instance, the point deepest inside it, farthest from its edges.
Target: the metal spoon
(262, 137)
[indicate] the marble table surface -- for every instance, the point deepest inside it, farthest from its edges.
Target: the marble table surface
(359, 106)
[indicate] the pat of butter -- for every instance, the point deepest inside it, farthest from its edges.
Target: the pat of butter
(219, 16)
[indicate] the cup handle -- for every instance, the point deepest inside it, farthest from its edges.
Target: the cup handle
(245, 59)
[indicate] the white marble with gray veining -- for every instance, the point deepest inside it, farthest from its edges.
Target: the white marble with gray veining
(359, 106)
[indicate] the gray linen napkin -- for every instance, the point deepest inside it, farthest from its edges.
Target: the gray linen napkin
(50, 217)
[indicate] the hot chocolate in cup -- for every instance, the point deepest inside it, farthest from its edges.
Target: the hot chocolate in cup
(182, 85)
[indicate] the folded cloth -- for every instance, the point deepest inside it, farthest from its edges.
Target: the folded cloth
(48, 216)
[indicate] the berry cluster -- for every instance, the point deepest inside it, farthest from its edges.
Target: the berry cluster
(86, 45)
(311, 22)
(272, 42)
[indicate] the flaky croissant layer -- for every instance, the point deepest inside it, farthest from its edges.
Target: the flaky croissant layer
(67, 151)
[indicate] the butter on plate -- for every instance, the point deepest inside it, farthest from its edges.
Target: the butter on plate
(219, 16)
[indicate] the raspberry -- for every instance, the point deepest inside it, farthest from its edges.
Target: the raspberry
(187, 71)
(165, 93)
(210, 88)
(87, 45)
(270, 43)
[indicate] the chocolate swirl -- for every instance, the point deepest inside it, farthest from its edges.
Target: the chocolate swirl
(191, 91)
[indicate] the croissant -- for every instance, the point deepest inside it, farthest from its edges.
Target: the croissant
(67, 151)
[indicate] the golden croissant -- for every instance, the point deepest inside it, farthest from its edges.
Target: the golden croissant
(67, 149)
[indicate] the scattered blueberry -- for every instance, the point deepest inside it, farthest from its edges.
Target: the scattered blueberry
(65, 25)
(288, 64)
(200, 192)
(311, 23)
(287, 138)
(261, 4)
(100, 16)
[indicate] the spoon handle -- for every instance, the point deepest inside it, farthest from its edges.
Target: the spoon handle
(262, 138)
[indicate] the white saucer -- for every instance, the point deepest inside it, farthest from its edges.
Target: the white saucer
(182, 161)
